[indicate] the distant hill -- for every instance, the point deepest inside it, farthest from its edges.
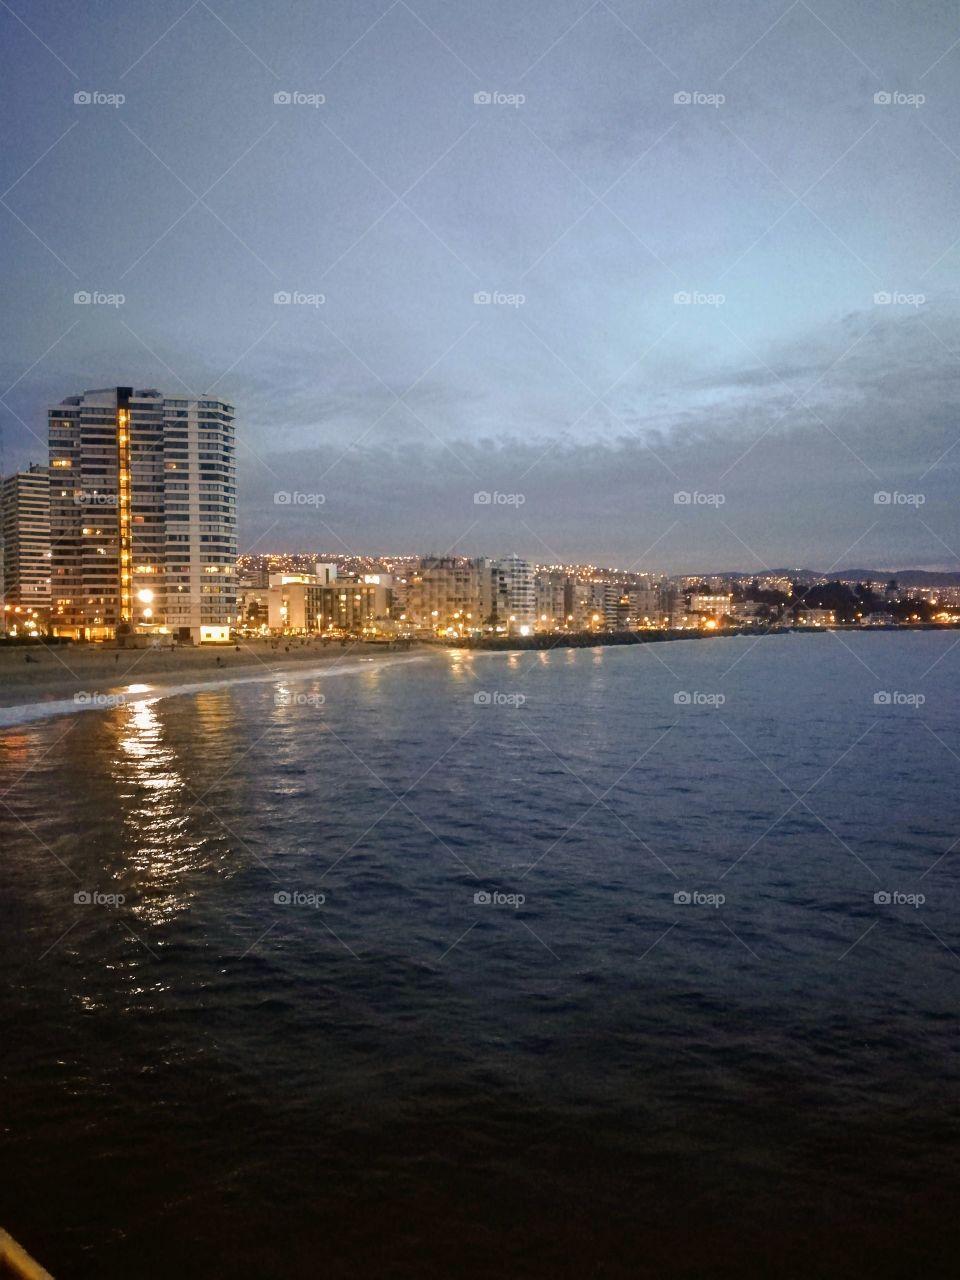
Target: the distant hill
(904, 577)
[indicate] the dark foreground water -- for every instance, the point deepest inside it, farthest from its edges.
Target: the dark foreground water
(206, 1080)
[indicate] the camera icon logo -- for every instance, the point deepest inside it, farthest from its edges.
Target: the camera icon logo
(683, 898)
(282, 99)
(482, 99)
(482, 699)
(282, 298)
(681, 698)
(883, 99)
(882, 498)
(482, 298)
(82, 98)
(882, 298)
(83, 897)
(683, 98)
(882, 898)
(282, 498)
(482, 898)
(282, 898)
(882, 698)
(682, 298)
(482, 498)
(682, 499)
(82, 298)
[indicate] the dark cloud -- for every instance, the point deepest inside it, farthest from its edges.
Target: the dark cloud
(597, 201)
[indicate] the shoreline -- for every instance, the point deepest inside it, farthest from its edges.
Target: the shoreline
(607, 639)
(55, 673)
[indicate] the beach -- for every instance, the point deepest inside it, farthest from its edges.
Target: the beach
(36, 673)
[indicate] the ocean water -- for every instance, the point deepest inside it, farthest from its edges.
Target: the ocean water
(615, 962)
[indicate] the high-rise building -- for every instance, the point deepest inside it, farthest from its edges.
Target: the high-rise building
(513, 594)
(25, 540)
(142, 516)
(554, 600)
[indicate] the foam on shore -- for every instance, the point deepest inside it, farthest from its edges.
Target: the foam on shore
(119, 696)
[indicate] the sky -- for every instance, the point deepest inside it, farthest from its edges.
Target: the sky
(675, 285)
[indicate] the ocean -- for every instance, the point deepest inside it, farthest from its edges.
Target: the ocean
(607, 962)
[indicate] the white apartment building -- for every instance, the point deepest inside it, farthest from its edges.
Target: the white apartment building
(25, 540)
(142, 516)
(513, 595)
(715, 605)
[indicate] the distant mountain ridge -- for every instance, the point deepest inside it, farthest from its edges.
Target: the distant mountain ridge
(903, 577)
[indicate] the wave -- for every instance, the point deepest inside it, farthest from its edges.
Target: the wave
(133, 694)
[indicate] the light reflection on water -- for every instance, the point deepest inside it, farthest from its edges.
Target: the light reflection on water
(159, 844)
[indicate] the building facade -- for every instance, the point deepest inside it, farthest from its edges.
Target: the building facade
(513, 595)
(143, 516)
(444, 593)
(25, 541)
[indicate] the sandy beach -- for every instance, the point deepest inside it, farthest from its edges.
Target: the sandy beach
(58, 671)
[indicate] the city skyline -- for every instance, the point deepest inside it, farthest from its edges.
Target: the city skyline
(590, 256)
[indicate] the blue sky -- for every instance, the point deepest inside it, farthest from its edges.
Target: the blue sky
(784, 199)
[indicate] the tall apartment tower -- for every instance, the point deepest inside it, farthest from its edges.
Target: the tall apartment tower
(143, 520)
(513, 594)
(25, 540)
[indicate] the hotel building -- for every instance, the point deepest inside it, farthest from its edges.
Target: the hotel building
(142, 516)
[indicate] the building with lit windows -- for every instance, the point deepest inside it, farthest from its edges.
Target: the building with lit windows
(25, 546)
(444, 594)
(142, 516)
(513, 595)
(716, 605)
(321, 602)
(554, 600)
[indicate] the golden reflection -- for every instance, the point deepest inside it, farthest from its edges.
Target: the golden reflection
(155, 831)
(461, 664)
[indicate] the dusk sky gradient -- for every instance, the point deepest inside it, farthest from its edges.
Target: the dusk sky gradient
(599, 198)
